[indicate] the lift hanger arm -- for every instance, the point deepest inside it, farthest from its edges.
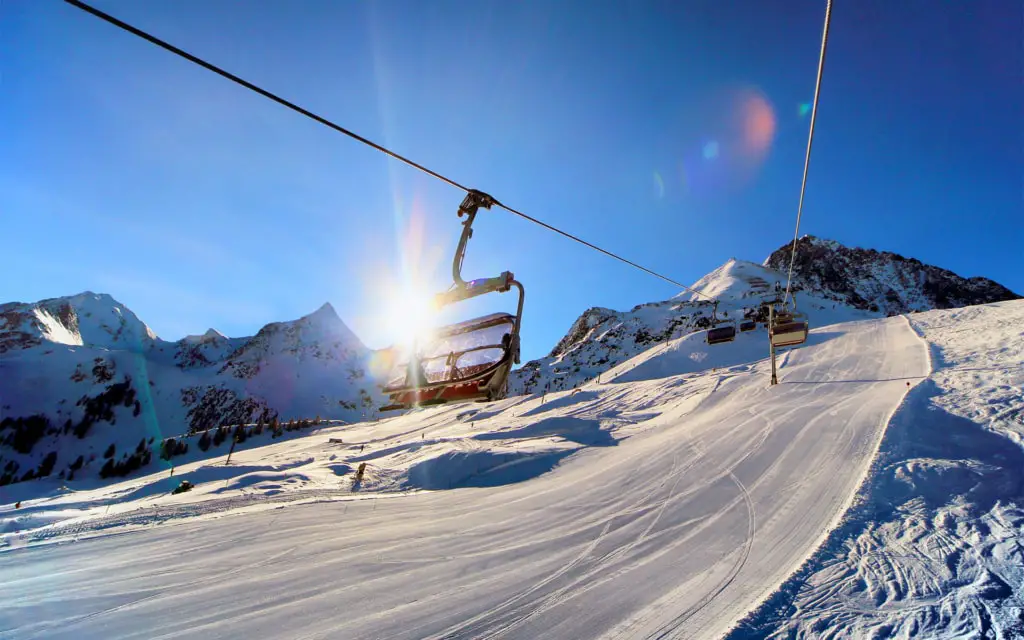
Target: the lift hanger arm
(470, 204)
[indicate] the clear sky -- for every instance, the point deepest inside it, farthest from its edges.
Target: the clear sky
(672, 132)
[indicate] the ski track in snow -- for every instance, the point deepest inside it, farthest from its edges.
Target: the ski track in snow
(690, 497)
(933, 547)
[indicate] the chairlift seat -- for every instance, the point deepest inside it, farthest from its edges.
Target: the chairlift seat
(467, 361)
(748, 325)
(718, 335)
(789, 334)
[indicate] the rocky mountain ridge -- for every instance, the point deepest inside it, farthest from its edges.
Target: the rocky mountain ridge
(880, 281)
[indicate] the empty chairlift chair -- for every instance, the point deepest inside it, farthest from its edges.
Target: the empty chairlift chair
(789, 330)
(469, 360)
(748, 325)
(462, 362)
(720, 333)
(725, 333)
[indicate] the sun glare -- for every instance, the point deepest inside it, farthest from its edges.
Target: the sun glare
(411, 314)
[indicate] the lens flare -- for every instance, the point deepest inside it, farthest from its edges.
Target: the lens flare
(659, 186)
(402, 309)
(726, 136)
(758, 125)
(382, 362)
(804, 108)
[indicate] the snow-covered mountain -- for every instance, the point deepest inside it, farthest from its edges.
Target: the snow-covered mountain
(832, 283)
(81, 373)
(880, 281)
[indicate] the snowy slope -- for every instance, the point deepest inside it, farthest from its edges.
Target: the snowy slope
(832, 283)
(933, 548)
(665, 501)
(81, 373)
(602, 338)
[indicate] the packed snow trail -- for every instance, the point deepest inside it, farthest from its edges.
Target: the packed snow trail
(932, 548)
(676, 531)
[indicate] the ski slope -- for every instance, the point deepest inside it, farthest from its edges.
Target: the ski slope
(666, 501)
(933, 546)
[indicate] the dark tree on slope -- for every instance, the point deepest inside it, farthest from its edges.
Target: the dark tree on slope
(46, 466)
(21, 434)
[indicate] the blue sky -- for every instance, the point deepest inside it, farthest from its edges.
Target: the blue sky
(668, 131)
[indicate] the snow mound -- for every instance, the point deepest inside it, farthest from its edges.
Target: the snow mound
(481, 468)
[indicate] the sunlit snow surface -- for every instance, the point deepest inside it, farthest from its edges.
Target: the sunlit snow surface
(934, 547)
(666, 501)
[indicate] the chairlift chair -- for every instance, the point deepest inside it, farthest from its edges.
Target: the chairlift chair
(789, 329)
(720, 334)
(468, 360)
(748, 325)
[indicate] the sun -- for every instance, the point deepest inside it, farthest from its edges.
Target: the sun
(410, 314)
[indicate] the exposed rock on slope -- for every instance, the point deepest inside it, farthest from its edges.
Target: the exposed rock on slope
(879, 280)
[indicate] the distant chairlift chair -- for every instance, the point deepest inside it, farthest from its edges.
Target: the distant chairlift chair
(720, 334)
(469, 360)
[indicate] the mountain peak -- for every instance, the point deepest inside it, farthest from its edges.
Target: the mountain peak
(325, 312)
(734, 280)
(879, 281)
(326, 319)
(86, 318)
(211, 335)
(317, 334)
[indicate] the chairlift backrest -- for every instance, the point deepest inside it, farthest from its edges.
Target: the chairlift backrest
(718, 335)
(789, 334)
(446, 355)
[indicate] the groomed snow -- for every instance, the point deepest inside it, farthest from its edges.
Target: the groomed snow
(934, 546)
(665, 501)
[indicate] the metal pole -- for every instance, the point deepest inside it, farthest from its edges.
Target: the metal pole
(234, 441)
(771, 344)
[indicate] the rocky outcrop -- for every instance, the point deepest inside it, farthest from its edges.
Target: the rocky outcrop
(880, 281)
